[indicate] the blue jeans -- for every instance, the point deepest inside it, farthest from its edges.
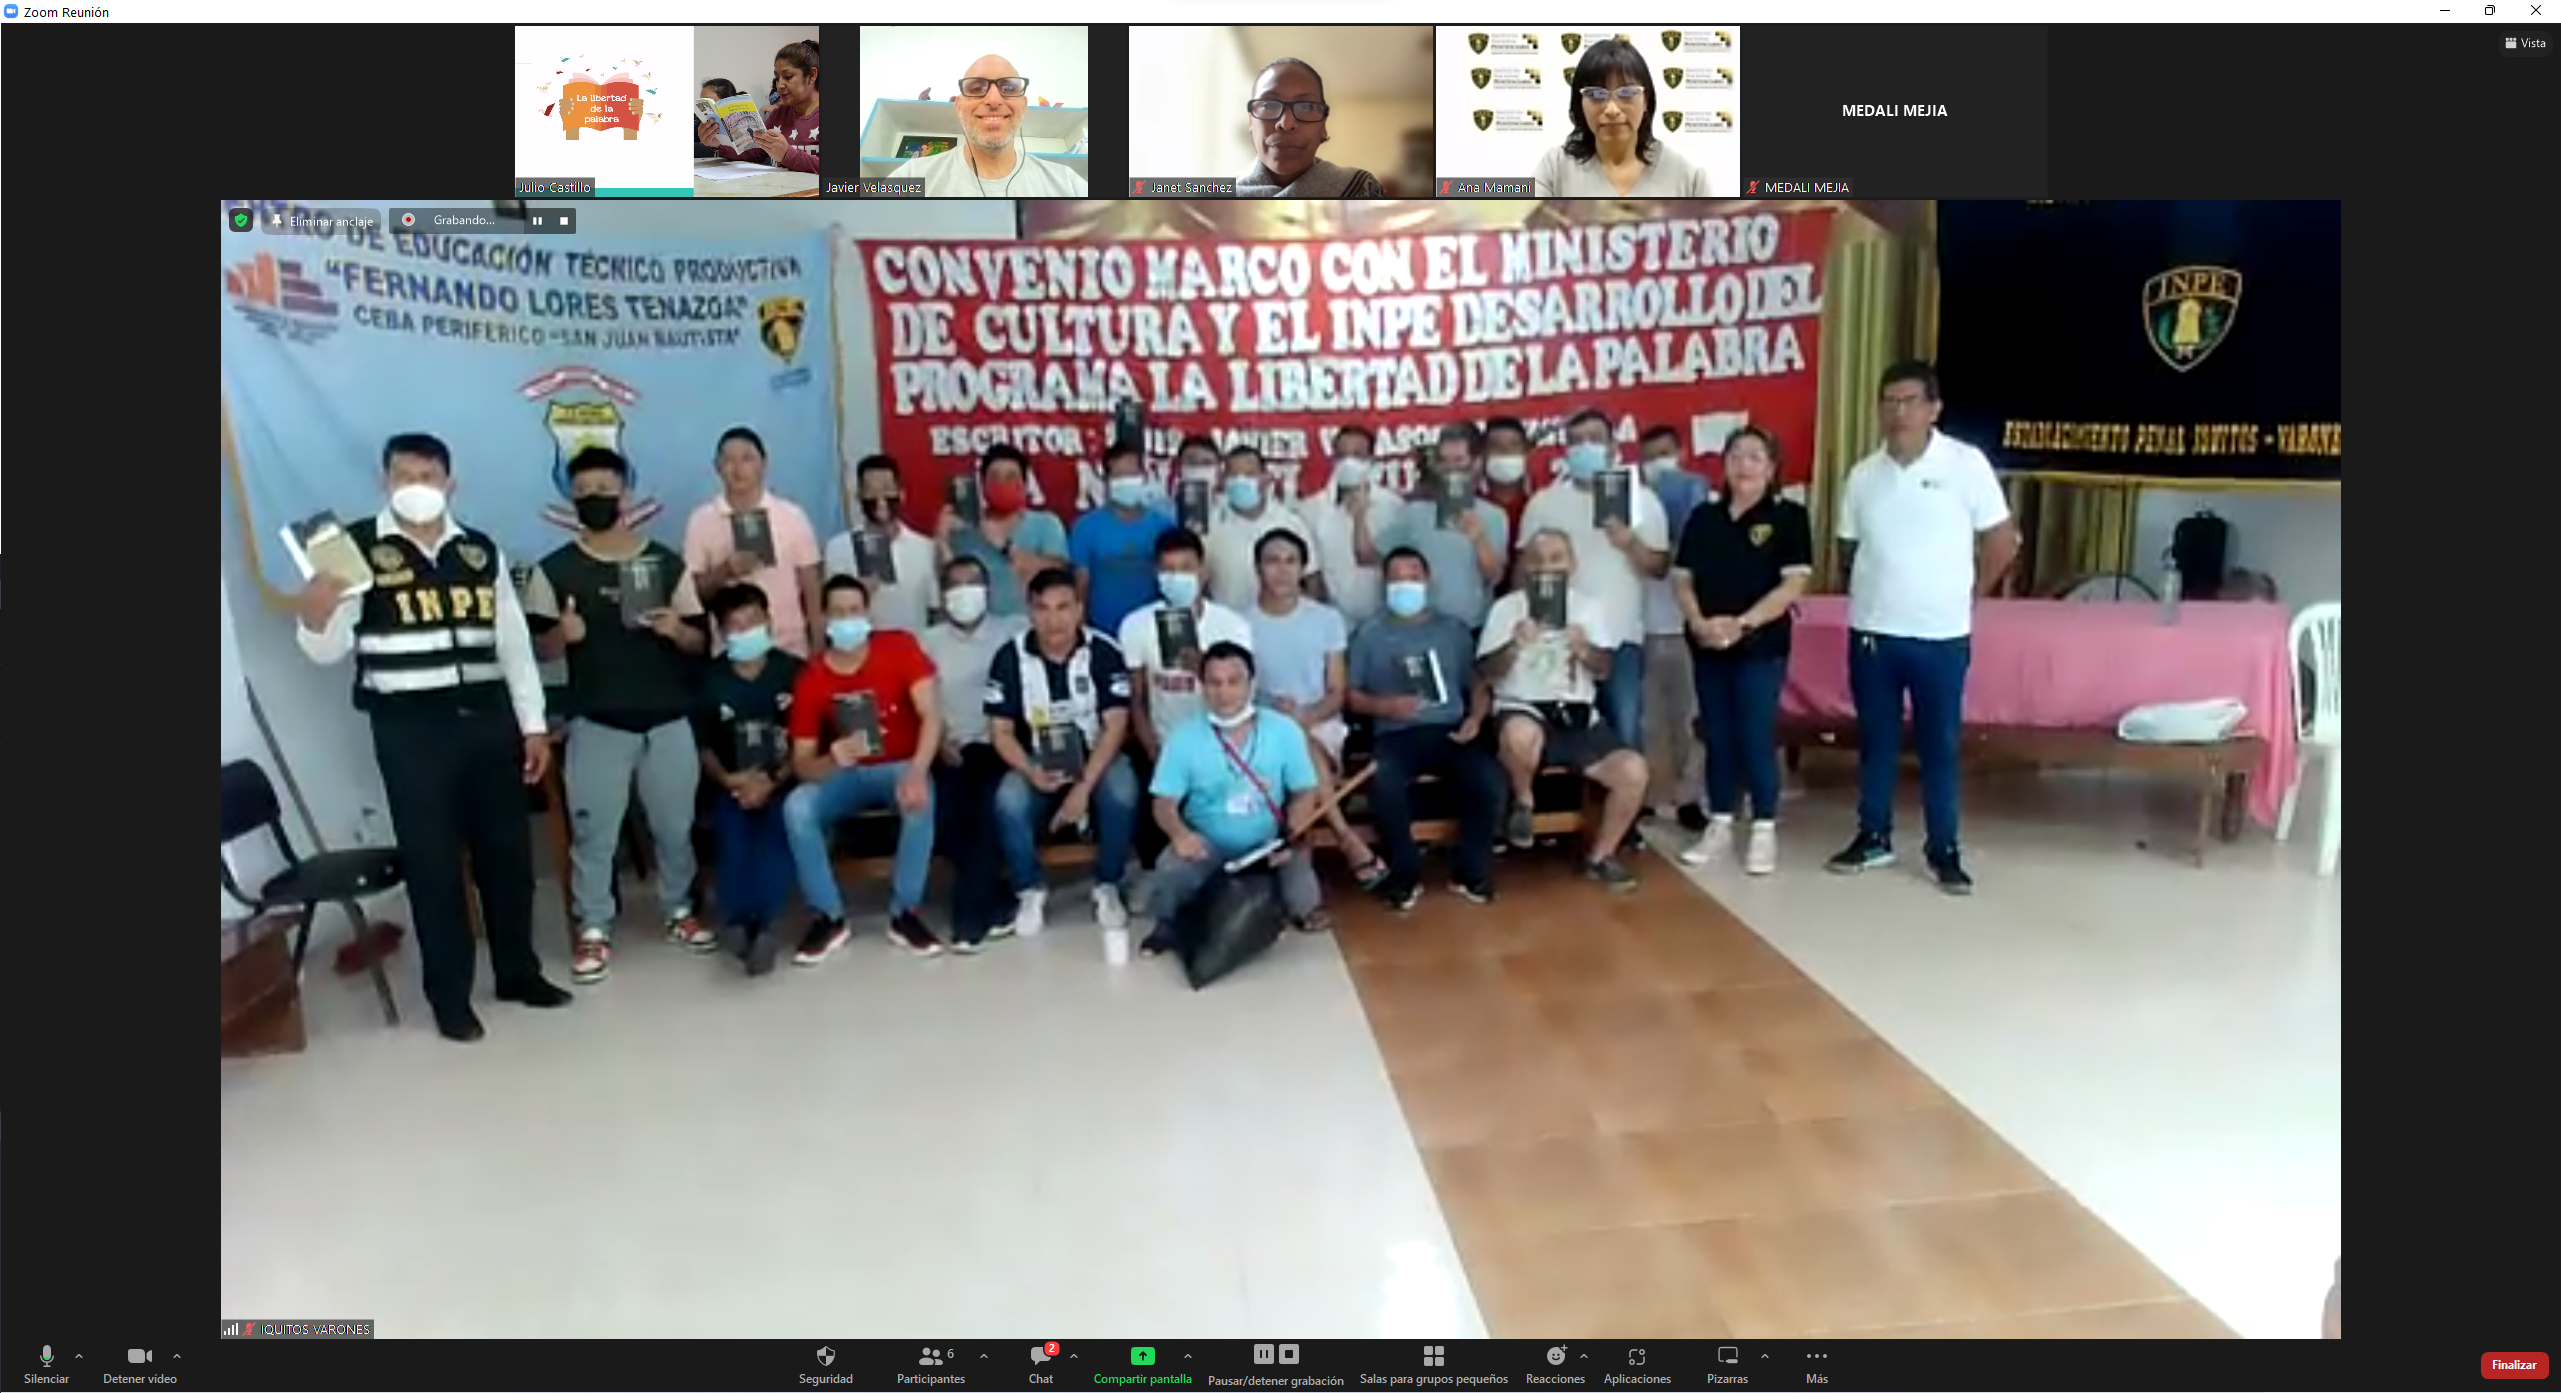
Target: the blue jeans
(1883, 671)
(1738, 719)
(813, 810)
(753, 860)
(1623, 695)
(1404, 756)
(1022, 811)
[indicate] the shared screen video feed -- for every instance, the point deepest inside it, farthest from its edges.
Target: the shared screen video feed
(974, 110)
(1285, 111)
(658, 111)
(1599, 111)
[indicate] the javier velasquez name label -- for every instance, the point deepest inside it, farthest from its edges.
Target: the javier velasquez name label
(1913, 109)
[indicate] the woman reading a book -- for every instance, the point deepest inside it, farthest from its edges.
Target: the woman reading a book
(785, 135)
(716, 91)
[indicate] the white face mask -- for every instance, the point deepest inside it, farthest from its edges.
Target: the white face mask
(966, 604)
(418, 504)
(1351, 472)
(1506, 469)
(1231, 722)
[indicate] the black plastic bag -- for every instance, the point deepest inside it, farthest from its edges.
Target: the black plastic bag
(1229, 923)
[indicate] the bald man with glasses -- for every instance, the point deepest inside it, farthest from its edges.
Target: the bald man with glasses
(990, 161)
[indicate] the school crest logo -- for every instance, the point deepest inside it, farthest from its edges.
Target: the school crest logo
(1671, 41)
(1673, 76)
(583, 410)
(1480, 76)
(1671, 120)
(780, 320)
(1484, 119)
(2188, 312)
(1760, 534)
(1476, 44)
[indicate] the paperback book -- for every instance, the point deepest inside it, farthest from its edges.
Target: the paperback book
(751, 534)
(736, 120)
(1178, 639)
(1614, 498)
(1547, 599)
(648, 583)
(761, 745)
(963, 495)
(875, 556)
(858, 719)
(1453, 493)
(1059, 747)
(1191, 505)
(321, 545)
(1424, 676)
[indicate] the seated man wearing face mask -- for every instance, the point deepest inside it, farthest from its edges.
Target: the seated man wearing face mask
(1413, 674)
(632, 664)
(1113, 547)
(1349, 517)
(1231, 780)
(746, 757)
(904, 590)
(964, 648)
(1465, 557)
(1250, 509)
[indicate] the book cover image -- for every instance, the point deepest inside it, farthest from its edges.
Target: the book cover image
(967, 503)
(321, 545)
(648, 582)
(1614, 498)
(1059, 747)
(1178, 639)
(1453, 493)
(857, 718)
(1191, 505)
(738, 119)
(1547, 599)
(1423, 673)
(760, 745)
(609, 102)
(751, 534)
(875, 556)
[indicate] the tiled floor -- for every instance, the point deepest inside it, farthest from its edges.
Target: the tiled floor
(2109, 1108)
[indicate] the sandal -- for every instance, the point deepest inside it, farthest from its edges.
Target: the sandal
(1371, 874)
(1316, 922)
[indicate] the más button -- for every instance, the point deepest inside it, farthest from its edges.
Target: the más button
(2513, 1365)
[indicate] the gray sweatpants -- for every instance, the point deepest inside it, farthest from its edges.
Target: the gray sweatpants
(603, 765)
(1176, 881)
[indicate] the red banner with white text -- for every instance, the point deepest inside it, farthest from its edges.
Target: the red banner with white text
(1701, 322)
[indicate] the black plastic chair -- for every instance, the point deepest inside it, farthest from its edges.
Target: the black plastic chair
(342, 878)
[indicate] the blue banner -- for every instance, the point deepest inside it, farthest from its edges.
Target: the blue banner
(518, 350)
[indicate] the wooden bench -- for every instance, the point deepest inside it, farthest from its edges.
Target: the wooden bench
(2220, 771)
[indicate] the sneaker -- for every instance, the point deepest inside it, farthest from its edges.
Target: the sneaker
(1715, 844)
(1866, 852)
(593, 957)
(909, 932)
(1520, 828)
(1480, 893)
(1693, 818)
(1031, 909)
(1109, 910)
(692, 934)
(1158, 944)
(1949, 871)
(1607, 870)
(1760, 857)
(969, 947)
(825, 936)
(764, 946)
(1403, 900)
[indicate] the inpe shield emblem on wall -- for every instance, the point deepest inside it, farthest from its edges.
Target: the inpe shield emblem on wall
(2188, 312)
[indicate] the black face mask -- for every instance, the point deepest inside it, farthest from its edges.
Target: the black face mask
(598, 512)
(881, 510)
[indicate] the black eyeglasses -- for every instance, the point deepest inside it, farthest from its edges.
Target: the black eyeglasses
(1602, 94)
(1270, 110)
(1010, 86)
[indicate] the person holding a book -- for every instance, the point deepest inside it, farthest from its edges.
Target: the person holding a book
(1618, 531)
(963, 646)
(1464, 539)
(1164, 640)
(785, 134)
(1348, 517)
(716, 91)
(990, 516)
(1670, 715)
(1545, 648)
(866, 732)
(622, 612)
(446, 676)
(1113, 548)
(1744, 560)
(1302, 645)
(1413, 675)
(1058, 712)
(748, 536)
(1250, 507)
(894, 561)
(741, 727)
(1233, 780)
(1507, 484)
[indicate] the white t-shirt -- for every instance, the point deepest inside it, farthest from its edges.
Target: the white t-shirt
(1172, 696)
(1355, 589)
(1229, 549)
(1545, 671)
(1601, 570)
(907, 604)
(948, 175)
(1915, 525)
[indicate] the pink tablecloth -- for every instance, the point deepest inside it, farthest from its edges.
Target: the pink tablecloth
(2051, 664)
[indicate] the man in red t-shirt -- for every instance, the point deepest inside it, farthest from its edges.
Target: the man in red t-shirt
(865, 727)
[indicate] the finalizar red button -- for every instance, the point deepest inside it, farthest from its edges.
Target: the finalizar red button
(2513, 1365)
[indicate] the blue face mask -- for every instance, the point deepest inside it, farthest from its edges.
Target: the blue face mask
(1126, 491)
(751, 645)
(1585, 460)
(1180, 588)
(1406, 598)
(849, 633)
(1244, 495)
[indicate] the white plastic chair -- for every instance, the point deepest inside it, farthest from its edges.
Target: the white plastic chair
(2313, 644)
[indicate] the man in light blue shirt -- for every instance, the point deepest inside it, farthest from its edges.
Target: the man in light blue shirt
(1466, 556)
(1228, 783)
(1114, 547)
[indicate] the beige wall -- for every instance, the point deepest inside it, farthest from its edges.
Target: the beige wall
(1369, 133)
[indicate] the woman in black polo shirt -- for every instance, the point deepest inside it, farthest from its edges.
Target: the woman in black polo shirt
(1743, 560)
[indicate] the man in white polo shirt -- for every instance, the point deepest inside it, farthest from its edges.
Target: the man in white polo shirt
(1912, 518)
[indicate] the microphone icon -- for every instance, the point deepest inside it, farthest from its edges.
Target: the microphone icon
(48, 1356)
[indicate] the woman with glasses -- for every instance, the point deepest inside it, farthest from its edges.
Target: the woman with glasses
(790, 137)
(989, 161)
(1286, 118)
(1613, 152)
